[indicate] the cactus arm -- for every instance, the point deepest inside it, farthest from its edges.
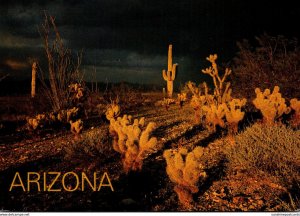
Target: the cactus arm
(174, 71)
(165, 75)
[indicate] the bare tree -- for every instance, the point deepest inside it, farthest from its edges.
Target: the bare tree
(63, 67)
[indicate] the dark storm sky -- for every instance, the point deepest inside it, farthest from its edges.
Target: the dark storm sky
(127, 40)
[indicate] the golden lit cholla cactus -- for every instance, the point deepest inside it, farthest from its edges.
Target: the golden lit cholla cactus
(295, 105)
(72, 113)
(191, 86)
(185, 170)
(181, 99)
(112, 111)
(234, 114)
(222, 94)
(36, 122)
(77, 91)
(197, 103)
(272, 105)
(214, 115)
(76, 127)
(64, 116)
(132, 139)
(200, 99)
(170, 74)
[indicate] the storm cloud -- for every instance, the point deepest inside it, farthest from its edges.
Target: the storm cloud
(127, 40)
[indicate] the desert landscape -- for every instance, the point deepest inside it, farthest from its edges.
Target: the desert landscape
(230, 143)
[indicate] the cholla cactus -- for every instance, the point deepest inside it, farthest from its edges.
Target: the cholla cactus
(181, 99)
(185, 169)
(132, 140)
(295, 105)
(193, 88)
(52, 117)
(38, 121)
(76, 127)
(65, 116)
(72, 113)
(76, 90)
(271, 105)
(113, 111)
(234, 114)
(222, 95)
(199, 99)
(214, 115)
(197, 103)
(62, 116)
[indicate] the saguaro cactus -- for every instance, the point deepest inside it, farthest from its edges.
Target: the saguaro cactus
(169, 75)
(33, 79)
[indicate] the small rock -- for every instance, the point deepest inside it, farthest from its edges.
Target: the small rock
(128, 202)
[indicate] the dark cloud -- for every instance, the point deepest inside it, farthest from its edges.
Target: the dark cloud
(124, 38)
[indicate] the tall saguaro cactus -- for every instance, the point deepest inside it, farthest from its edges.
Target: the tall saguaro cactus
(33, 79)
(169, 75)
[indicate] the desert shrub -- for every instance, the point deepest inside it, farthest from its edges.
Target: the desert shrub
(274, 61)
(63, 69)
(132, 139)
(275, 150)
(272, 105)
(185, 170)
(295, 106)
(126, 96)
(93, 148)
